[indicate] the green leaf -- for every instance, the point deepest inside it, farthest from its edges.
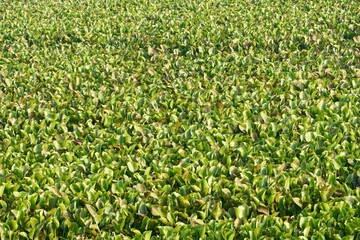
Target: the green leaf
(183, 201)
(309, 136)
(2, 188)
(242, 212)
(132, 166)
(156, 211)
(93, 213)
(108, 121)
(57, 145)
(147, 235)
(297, 201)
(263, 210)
(38, 148)
(12, 224)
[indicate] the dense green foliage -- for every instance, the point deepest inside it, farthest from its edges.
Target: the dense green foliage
(179, 119)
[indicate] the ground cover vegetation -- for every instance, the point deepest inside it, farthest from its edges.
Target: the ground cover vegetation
(179, 119)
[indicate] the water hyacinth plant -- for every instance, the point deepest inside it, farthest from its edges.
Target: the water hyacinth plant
(179, 119)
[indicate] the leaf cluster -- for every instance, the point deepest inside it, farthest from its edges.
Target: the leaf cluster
(179, 119)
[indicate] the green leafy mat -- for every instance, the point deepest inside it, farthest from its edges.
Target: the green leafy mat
(179, 119)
